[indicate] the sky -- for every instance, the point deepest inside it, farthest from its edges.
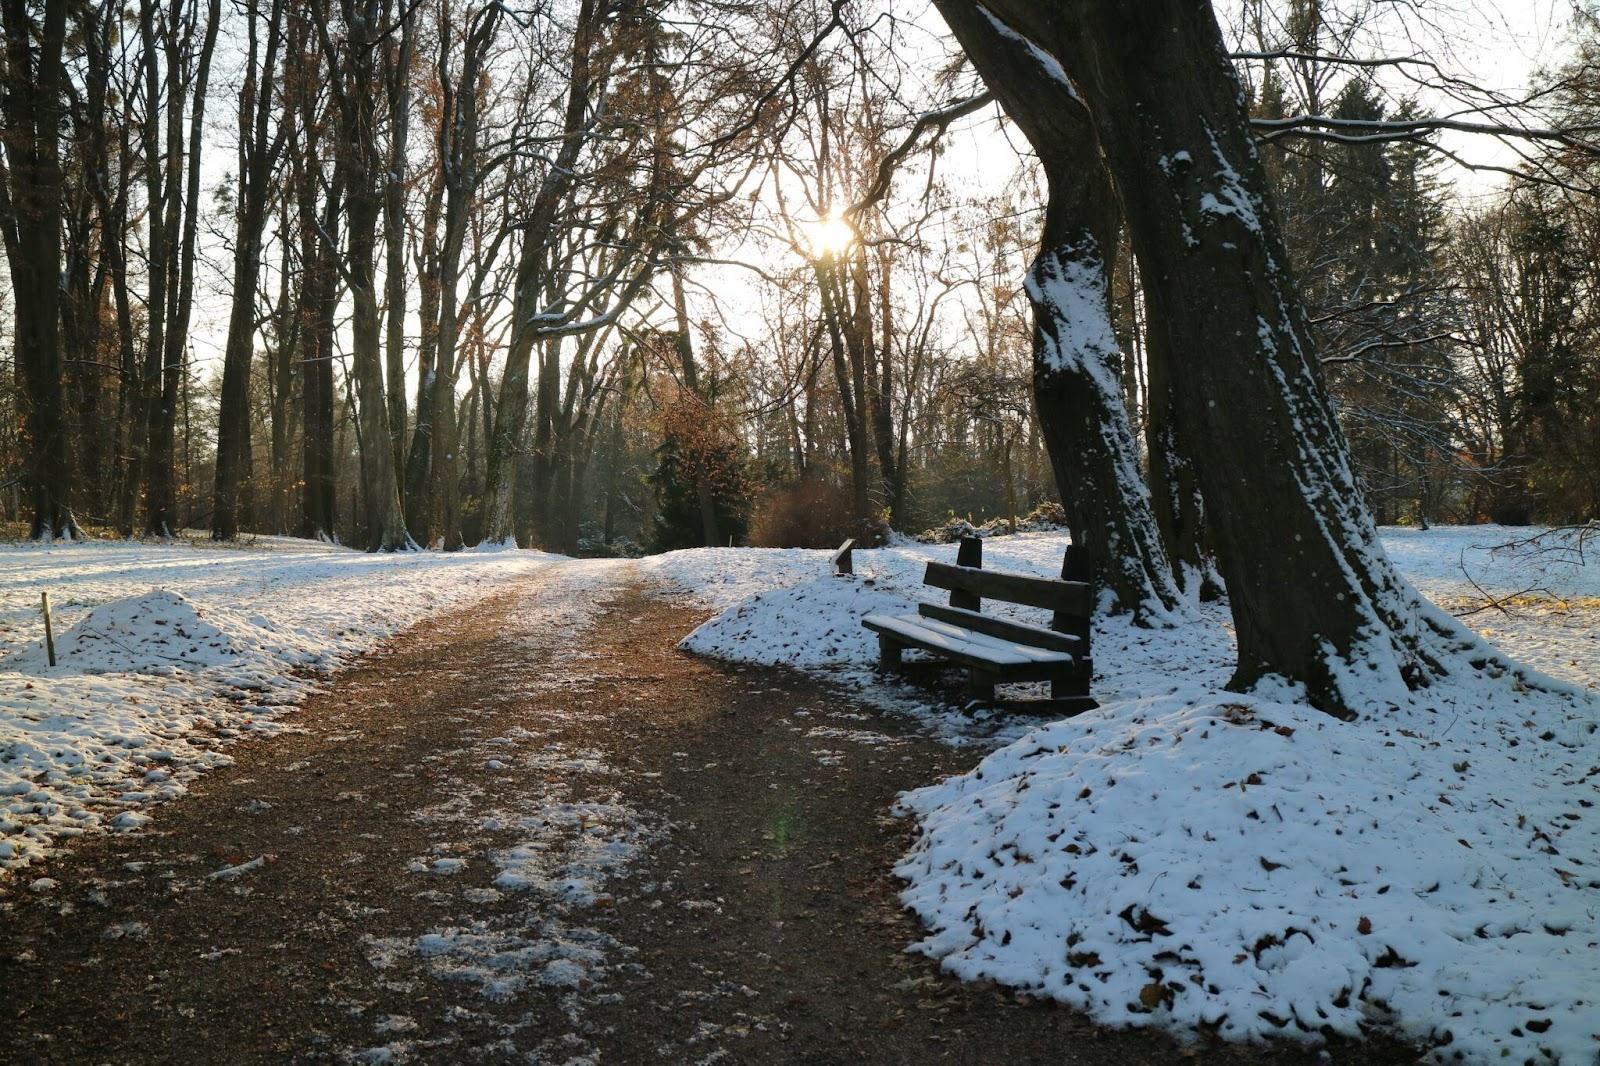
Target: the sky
(1500, 44)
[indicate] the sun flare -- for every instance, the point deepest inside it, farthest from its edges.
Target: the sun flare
(829, 235)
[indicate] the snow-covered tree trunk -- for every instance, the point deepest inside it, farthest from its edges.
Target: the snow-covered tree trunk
(1076, 383)
(1174, 482)
(1314, 599)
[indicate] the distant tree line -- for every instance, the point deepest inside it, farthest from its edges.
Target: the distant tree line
(468, 270)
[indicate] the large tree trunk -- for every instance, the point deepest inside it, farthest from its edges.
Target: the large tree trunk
(1314, 599)
(364, 203)
(182, 223)
(320, 300)
(1076, 356)
(419, 457)
(880, 391)
(286, 351)
(1174, 484)
(499, 491)
(836, 316)
(397, 63)
(31, 210)
(257, 156)
(684, 342)
(386, 528)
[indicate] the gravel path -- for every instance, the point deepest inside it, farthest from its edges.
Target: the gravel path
(532, 831)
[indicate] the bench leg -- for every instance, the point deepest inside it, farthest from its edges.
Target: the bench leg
(889, 652)
(980, 685)
(1067, 685)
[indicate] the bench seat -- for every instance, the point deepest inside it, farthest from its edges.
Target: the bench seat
(963, 645)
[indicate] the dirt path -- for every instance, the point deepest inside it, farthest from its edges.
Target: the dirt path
(531, 831)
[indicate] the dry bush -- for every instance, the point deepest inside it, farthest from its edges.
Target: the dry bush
(808, 514)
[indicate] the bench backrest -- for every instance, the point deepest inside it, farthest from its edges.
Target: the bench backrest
(1071, 602)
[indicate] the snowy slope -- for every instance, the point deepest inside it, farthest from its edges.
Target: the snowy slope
(782, 606)
(1195, 859)
(166, 652)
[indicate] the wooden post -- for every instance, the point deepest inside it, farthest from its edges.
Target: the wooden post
(888, 651)
(970, 553)
(49, 632)
(1075, 567)
(843, 559)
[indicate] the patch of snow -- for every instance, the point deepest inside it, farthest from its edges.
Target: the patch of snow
(1194, 859)
(167, 652)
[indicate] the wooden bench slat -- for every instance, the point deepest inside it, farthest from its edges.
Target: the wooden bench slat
(1031, 652)
(1020, 632)
(1068, 597)
(972, 649)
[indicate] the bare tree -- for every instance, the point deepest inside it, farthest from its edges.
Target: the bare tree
(30, 215)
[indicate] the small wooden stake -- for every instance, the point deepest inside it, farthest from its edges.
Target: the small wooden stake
(49, 633)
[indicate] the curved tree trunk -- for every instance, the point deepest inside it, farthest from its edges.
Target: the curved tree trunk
(1076, 382)
(1315, 600)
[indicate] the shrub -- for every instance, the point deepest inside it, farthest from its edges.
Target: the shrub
(1047, 517)
(698, 445)
(811, 513)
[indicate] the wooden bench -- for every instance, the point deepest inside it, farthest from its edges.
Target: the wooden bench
(996, 650)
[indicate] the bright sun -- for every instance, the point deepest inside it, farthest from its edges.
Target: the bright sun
(830, 235)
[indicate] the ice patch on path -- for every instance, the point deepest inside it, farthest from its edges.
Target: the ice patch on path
(571, 849)
(503, 964)
(566, 833)
(1256, 868)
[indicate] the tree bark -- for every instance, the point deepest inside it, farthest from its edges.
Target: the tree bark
(33, 105)
(1314, 599)
(355, 71)
(181, 225)
(419, 457)
(398, 71)
(257, 158)
(1076, 356)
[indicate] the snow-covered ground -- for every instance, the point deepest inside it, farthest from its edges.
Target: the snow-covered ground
(1196, 859)
(167, 652)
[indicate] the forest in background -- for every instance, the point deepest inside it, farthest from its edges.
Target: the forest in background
(617, 276)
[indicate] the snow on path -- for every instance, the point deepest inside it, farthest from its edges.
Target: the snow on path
(1194, 859)
(167, 652)
(573, 831)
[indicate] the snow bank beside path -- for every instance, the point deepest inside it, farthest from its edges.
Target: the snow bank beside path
(1194, 859)
(1210, 861)
(784, 606)
(166, 652)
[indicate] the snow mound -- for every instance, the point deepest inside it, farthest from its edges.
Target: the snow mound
(161, 632)
(1254, 868)
(816, 624)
